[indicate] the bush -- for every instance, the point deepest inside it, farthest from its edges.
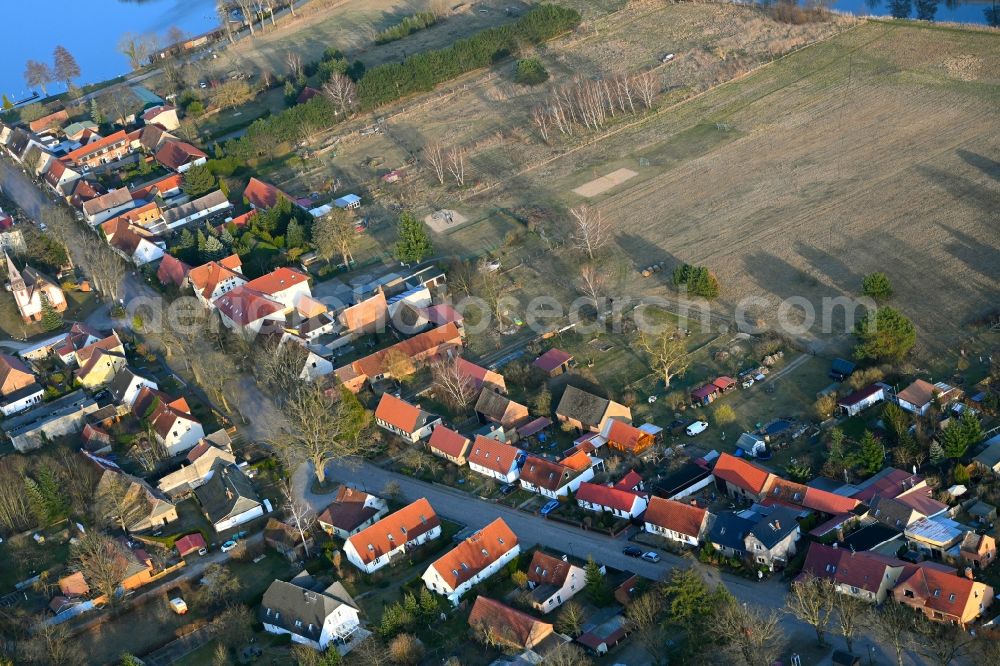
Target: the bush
(530, 72)
(698, 281)
(406, 27)
(195, 108)
(877, 287)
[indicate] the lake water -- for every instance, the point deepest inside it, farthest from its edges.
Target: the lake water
(90, 29)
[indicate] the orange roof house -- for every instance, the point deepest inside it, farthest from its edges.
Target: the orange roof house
(553, 479)
(365, 317)
(215, 278)
(554, 362)
(449, 444)
(472, 561)
(179, 156)
(737, 477)
(376, 546)
(619, 501)
(172, 271)
(107, 149)
(507, 626)
(481, 377)
(626, 438)
(402, 418)
(494, 459)
(247, 309)
(421, 347)
(263, 195)
(14, 375)
(676, 520)
(47, 122)
(943, 596)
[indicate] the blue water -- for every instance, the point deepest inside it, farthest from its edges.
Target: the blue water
(953, 11)
(90, 29)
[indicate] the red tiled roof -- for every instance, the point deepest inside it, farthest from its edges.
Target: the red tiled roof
(160, 186)
(415, 347)
(397, 412)
(243, 305)
(934, 587)
(740, 473)
(545, 473)
(348, 509)
(677, 516)
(918, 393)
(861, 570)
(480, 375)
(724, 382)
(493, 455)
(151, 113)
(51, 120)
(442, 313)
(704, 391)
(891, 485)
(623, 434)
(190, 544)
(55, 172)
(519, 627)
(475, 553)
(827, 502)
(278, 280)
(307, 94)
(578, 460)
(631, 480)
(175, 154)
(404, 525)
(118, 137)
(552, 359)
(448, 441)
(206, 277)
(261, 194)
(921, 500)
(172, 270)
(615, 498)
(368, 312)
(547, 570)
(859, 395)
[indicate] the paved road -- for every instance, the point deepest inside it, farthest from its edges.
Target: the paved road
(18, 186)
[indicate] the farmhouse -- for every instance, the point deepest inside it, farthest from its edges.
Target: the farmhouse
(513, 628)
(350, 512)
(449, 444)
(378, 545)
(738, 478)
(588, 412)
(920, 395)
(553, 581)
(676, 521)
(626, 438)
(179, 156)
(472, 561)
(496, 408)
(495, 459)
(401, 418)
(865, 575)
(554, 362)
(942, 596)
(212, 280)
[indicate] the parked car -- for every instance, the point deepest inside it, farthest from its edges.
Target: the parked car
(228, 546)
(696, 428)
(549, 507)
(178, 606)
(650, 556)
(508, 488)
(667, 58)
(492, 266)
(632, 551)
(748, 382)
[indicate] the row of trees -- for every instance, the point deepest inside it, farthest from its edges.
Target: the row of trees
(591, 103)
(406, 27)
(64, 69)
(423, 71)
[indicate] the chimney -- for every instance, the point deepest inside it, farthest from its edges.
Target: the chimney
(777, 524)
(968, 573)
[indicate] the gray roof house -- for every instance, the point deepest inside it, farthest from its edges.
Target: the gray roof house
(228, 498)
(311, 614)
(989, 458)
(727, 533)
(125, 386)
(772, 538)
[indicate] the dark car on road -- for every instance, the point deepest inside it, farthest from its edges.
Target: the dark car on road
(632, 551)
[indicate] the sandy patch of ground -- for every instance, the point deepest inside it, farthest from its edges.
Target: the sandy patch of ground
(605, 183)
(444, 221)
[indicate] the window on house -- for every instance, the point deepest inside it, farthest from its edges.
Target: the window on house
(951, 597)
(298, 623)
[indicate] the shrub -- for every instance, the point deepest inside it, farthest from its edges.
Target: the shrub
(698, 281)
(195, 108)
(530, 72)
(825, 406)
(406, 27)
(877, 287)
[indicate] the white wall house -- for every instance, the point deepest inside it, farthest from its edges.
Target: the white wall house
(553, 581)
(309, 614)
(20, 400)
(552, 479)
(494, 459)
(676, 521)
(377, 546)
(474, 560)
(403, 419)
(622, 503)
(180, 433)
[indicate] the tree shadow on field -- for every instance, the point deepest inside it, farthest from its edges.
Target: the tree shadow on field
(988, 166)
(978, 255)
(839, 273)
(962, 188)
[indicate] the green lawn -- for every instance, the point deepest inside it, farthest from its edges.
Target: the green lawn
(79, 306)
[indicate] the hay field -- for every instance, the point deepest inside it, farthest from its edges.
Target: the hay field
(878, 149)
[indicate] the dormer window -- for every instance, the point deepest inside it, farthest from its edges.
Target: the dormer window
(951, 597)
(371, 548)
(485, 552)
(403, 530)
(937, 593)
(465, 567)
(454, 572)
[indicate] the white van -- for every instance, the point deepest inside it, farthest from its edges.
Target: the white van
(696, 428)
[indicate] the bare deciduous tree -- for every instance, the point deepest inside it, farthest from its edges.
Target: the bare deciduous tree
(319, 430)
(103, 563)
(667, 353)
(15, 510)
(851, 613)
(278, 365)
(119, 501)
(590, 232)
(434, 156)
(592, 283)
(452, 385)
(892, 624)
(642, 619)
(334, 234)
(647, 86)
(567, 654)
(541, 118)
(300, 514)
(812, 601)
(342, 92)
(748, 633)
(222, 11)
(570, 619)
(294, 62)
(52, 645)
(456, 165)
(248, 8)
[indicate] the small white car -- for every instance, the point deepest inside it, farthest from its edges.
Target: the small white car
(228, 546)
(696, 428)
(650, 556)
(178, 606)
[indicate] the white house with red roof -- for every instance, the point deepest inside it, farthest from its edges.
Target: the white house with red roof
(376, 546)
(553, 479)
(249, 310)
(212, 280)
(676, 521)
(449, 444)
(738, 478)
(472, 561)
(621, 502)
(495, 459)
(172, 422)
(553, 581)
(401, 418)
(179, 156)
(283, 285)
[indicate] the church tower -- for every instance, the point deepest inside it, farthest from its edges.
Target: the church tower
(17, 286)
